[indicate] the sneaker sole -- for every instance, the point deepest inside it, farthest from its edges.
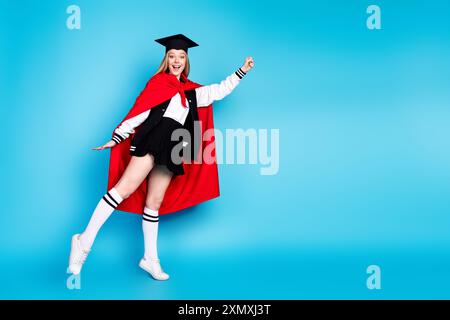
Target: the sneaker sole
(143, 267)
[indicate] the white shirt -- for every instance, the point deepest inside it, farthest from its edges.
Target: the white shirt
(175, 110)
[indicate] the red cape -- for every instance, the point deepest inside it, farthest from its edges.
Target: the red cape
(200, 181)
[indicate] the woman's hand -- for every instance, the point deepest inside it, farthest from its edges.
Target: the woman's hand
(107, 145)
(248, 64)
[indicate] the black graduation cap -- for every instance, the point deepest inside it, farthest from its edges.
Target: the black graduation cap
(177, 41)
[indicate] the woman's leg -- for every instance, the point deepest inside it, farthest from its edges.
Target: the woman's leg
(158, 182)
(136, 171)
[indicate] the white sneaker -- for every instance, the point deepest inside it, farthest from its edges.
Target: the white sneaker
(77, 255)
(153, 267)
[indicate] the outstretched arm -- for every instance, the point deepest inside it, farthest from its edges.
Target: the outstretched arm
(208, 94)
(127, 127)
(124, 130)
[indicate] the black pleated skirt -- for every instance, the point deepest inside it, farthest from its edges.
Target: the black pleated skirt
(158, 143)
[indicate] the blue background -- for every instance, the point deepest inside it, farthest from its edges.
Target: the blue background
(364, 149)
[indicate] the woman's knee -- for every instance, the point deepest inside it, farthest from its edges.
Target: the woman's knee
(154, 202)
(134, 175)
(125, 188)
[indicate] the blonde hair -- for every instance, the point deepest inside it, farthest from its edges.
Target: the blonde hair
(164, 67)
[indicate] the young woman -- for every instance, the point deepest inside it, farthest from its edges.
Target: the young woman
(144, 175)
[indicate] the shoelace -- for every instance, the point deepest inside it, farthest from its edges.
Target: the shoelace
(82, 258)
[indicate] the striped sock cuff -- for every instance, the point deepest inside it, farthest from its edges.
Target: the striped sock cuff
(118, 138)
(240, 73)
(113, 198)
(150, 215)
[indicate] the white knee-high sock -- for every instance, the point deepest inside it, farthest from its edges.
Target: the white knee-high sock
(150, 220)
(104, 209)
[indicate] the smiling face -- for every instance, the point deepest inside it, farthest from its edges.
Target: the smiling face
(176, 61)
